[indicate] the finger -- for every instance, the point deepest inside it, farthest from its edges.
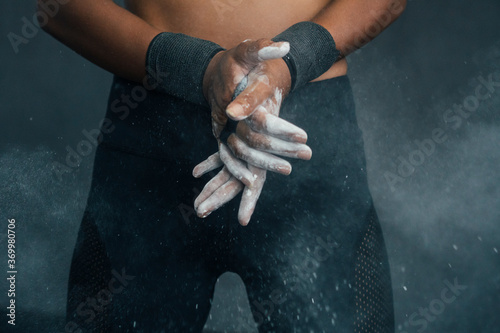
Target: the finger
(219, 120)
(274, 51)
(257, 92)
(222, 195)
(273, 105)
(258, 158)
(262, 121)
(211, 163)
(250, 53)
(220, 179)
(251, 196)
(275, 146)
(240, 87)
(236, 167)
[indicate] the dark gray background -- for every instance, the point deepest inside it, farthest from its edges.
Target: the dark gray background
(440, 223)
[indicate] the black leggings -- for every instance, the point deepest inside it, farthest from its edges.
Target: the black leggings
(312, 258)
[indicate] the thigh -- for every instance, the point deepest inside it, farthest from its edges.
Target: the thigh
(137, 264)
(140, 234)
(328, 283)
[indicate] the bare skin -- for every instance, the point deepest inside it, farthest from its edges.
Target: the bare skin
(215, 193)
(117, 40)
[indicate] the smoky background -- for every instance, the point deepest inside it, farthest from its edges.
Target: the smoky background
(440, 215)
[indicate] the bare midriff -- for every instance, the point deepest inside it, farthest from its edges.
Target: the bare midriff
(229, 22)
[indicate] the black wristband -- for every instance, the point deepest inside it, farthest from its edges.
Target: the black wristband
(312, 51)
(178, 63)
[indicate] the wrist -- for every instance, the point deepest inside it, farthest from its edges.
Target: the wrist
(312, 52)
(179, 62)
(286, 78)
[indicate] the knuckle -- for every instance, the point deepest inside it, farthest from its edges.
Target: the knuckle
(219, 118)
(263, 42)
(252, 47)
(242, 129)
(257, 141)
(264, 119)
(244, 136)
(244, 44)
(243, 50)
(231, 140)
(240, 153)
(233, 145)
(258, 120)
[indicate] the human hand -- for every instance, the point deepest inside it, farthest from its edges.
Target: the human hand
(226, 185)
(250, 59)
(262, 137)
(259, 139)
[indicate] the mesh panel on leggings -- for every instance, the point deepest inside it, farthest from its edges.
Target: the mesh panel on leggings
(88, 281)
(374, 310)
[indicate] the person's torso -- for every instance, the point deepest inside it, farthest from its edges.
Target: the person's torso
(229, 22)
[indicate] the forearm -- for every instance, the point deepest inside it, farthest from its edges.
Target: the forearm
(104, 33)
(353, 23)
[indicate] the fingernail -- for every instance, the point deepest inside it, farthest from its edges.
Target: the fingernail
(305, 154)
(274, 51)
(286, 170)
(204, 213)
(246, 181)
(235, 111)
(197, 204)
(300, 138)
(196, 172)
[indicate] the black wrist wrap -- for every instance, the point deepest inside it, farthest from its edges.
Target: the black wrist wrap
(178, 63)
(312, 51)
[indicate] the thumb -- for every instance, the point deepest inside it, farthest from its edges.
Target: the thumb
(250, 53)
(274, 51)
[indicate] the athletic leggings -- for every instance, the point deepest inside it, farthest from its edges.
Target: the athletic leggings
(312, 258)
